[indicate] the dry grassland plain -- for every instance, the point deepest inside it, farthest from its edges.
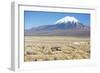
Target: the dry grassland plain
(46, 48)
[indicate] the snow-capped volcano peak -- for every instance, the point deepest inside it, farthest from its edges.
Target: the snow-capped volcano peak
(67, 19)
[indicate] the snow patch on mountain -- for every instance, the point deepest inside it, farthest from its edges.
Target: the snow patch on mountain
(67, 19)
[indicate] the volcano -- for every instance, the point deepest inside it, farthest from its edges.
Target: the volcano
(66, 26)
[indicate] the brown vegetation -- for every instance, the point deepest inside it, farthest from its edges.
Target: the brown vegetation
(56, 48)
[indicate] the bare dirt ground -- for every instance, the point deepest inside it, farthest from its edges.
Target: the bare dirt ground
(44, 48)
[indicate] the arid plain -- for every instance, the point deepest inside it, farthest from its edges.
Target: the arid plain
(45, 48)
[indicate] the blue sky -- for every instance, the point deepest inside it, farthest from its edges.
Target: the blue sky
(37, 18)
